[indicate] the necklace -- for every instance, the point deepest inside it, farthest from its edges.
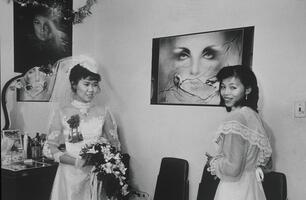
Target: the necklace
(83, 107)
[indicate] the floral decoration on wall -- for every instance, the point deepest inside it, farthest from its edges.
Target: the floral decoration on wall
(76, 16)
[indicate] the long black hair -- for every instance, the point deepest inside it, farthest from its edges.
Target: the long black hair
(247, 78)
(79, 72)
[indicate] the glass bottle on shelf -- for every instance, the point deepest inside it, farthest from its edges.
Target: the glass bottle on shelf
(36, 147)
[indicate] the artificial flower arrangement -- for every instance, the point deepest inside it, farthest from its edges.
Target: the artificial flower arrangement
(109, 168)
(75, 135)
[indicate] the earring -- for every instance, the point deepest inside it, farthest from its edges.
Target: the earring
(246, 97)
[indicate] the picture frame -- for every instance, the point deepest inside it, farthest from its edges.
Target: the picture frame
(36, 85)
(15, 136)
(42, 34)
(184, 67)
(12, 149)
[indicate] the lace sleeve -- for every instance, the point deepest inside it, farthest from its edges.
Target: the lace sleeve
(252, 136)
(229, 164)
(55, 137)
(110, 130)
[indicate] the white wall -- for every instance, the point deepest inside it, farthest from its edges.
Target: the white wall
(119, 35)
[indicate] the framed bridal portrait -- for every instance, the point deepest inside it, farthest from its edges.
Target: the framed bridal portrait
(42, 33)
(184, 67)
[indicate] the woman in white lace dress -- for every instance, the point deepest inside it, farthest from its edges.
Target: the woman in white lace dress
(73, 178)
(242, 143)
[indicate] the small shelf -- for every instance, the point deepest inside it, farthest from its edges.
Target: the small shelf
(27, 181)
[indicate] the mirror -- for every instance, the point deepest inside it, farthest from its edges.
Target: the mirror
(25, 99)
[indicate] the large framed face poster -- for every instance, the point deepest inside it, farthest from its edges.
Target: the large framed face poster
(42, 33)
(184, 67)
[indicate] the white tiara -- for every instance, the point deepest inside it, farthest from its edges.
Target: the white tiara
(86, 62)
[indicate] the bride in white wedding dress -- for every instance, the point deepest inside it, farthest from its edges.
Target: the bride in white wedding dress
(72, 181)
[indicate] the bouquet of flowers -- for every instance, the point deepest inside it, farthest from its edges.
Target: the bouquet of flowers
(108, 167)
(74, 123)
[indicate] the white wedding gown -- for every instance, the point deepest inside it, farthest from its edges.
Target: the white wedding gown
(70, 182)
(242, 146)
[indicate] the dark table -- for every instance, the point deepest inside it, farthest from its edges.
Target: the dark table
(20, 181)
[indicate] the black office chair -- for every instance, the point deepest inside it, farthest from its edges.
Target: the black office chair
(172, 181)
(207, 186)
(275, 186)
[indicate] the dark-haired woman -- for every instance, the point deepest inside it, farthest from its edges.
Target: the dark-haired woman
(242, 143)
(73, 180)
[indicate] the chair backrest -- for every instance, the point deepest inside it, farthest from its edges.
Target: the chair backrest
(172, 181)
(207, 186)
(275, 186)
